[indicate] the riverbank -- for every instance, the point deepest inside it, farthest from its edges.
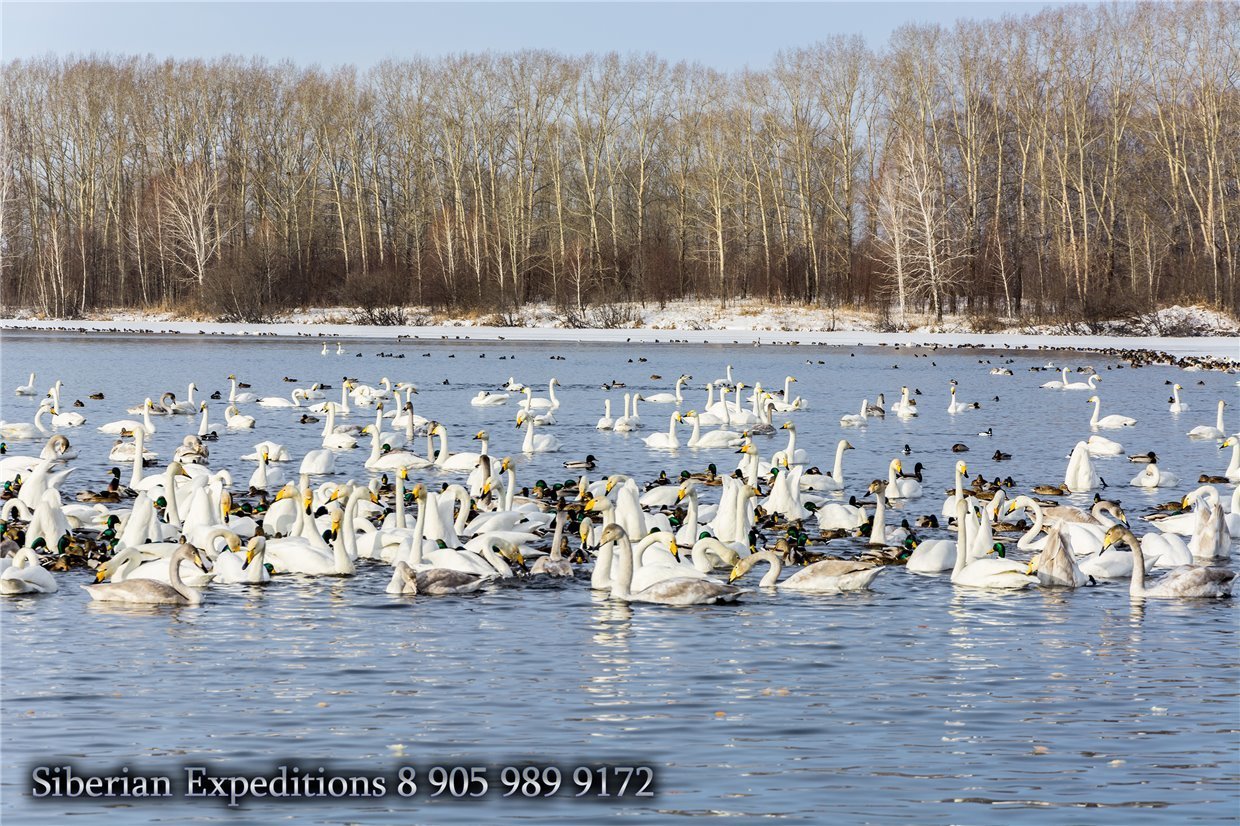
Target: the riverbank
(1210, 334)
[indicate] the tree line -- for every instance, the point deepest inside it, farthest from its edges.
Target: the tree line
(1081, 161)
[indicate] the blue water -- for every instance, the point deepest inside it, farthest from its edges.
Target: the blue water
(917, 702)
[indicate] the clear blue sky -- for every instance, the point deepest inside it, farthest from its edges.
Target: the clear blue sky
(723, 35)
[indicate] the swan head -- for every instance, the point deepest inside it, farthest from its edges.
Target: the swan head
(1114, 534)
(418, 492)
(1091, 400)
(962, 468)
(481, 435)
(402, 472)
(612, 533)
(505, 464)
(787, 426)
(897, 465)
(749, 449)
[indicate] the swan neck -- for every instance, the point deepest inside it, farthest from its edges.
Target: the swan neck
(622, 582)
(776, 568)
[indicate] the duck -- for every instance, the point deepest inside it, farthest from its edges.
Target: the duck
(1144, 458)
(588, 463)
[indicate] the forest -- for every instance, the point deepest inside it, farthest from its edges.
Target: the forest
(1079, 163)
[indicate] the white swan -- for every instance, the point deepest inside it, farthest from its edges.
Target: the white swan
(1057, 384)
(676, 591)
(1185, 581)
(900, 487)
(129, 425)
(298, 396)
(1102, 446)
(536, 443)
(1233, 467)
(856, 419)
(238, 398)
(1205, 431)
(236, 420)
(1091, 384)
(954, 406)
(27, 576)
(539, 403)
(1177, 406)
(486, 398)
(606, 421)
(833, 480)
(669, 398)
(1153, 477)
(906, 408)
(984, 573)
(630, 421)
(1110, 422)
(1080, 475)
(25, 389)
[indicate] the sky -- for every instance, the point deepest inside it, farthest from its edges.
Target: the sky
(725, 36)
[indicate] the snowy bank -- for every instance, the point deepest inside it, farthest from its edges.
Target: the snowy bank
(1212, 334)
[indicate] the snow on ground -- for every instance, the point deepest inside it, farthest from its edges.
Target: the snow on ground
(1176, 330)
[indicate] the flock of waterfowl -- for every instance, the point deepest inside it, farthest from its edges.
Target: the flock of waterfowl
(439, 521)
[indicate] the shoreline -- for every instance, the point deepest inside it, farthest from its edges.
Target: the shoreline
(1225, 347)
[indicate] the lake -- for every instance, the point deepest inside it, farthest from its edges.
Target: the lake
(914, 702)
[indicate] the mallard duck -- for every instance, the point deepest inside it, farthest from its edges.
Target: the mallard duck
(1051, 490)
(1144, 458)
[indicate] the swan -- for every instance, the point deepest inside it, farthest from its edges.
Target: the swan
(27, 430)
(236, 420)
(129, 425)
(606, 422)
(900, 487)
(1057, 384)
(1102, 446)
(833, 480)
(790, 455)
(149, 591)
(830, 576)
(906, 408)
(1185, 581)
(1152, 477)
(630, 421)
(238, 398)
(382, 457)
(70, 419)
(1091, 384)
(684, 590)
(27, 576)
(334, 438)
(1056, 568)
(932, 556)
(463, 461)
(538, 403)
(318, 463)
(856, 419)
(954, 406)
(435, 581)
(669, 398)
(984, 573)
(26, 389)
(1211, 537)
(555, 565)
(486, 398)
(668, 440)
(540, 443)
(1110, 422)
(1233, 467)
(1080, 475)
(298, 396)
(714, 438)
(1205, 431)
(1177, 406)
